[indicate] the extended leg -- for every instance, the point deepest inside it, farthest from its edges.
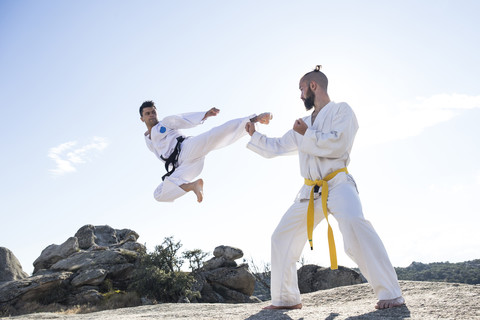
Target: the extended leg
(364, 246)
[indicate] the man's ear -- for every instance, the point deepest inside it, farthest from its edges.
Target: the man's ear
(313, 85)
(141, 118)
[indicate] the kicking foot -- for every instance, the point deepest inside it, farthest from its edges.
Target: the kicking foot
(272, 307)
(385, 304)
(263, 118)
(196, 187)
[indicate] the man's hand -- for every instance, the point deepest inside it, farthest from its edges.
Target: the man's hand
(211, 113)
(250, 127)
(300, 126)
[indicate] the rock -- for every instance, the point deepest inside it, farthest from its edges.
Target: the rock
(313, 278)
(32, 288)
(54, 253)
(85, 296)
(100, 259)
(104, 236)
(88, 259)
(216, 263)
(221, 280)
(127, 235)
(86, 236)
(239, 278)
(229, 253)
(233, 296)
(10, 267)
(89, 277)
(73, 273)
(224, 256)
(133, 246)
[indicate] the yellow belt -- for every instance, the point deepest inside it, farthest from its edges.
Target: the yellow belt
(310, 214)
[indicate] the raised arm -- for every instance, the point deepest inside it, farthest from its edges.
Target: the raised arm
(187, 120)
(211, 113)
(271, 147)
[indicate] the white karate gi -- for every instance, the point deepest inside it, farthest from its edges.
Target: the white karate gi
(324, 148)
(163, 139)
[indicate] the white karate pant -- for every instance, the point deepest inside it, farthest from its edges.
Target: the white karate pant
(192, 156)
(362, 244)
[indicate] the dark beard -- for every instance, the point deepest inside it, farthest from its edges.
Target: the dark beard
(310, 100)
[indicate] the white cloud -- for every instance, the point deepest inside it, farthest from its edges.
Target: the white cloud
(409, 118)
(68, 155)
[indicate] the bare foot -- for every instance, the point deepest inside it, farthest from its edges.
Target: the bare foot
(196, 187)
(272, 307)
(263, 118)
(385, 304)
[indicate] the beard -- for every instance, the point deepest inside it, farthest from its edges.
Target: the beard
(309, 102)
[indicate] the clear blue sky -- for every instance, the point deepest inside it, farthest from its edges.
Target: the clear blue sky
(73, 74)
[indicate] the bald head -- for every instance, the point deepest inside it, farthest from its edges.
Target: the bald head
(318, 76)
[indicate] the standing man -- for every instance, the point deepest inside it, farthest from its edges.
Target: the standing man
(323, 142)
(184, 156)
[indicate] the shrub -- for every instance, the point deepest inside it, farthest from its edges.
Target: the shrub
(158, 275)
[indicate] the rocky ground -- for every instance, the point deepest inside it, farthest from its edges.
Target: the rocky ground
(425, 300)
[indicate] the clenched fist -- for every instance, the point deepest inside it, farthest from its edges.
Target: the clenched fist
(300, 126)
(211, 113)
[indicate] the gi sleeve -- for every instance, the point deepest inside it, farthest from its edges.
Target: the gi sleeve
(336, 142)
(184, 120)
(273, 147)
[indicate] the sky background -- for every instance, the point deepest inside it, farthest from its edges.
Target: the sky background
(74, 73)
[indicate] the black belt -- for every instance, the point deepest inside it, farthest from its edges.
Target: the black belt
(172, 160)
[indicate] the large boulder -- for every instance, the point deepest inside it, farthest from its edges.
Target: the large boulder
(221, 280)
(92, 259)
(35, 288)
(10, 267)
(90, 236)
(74, 272)
(238, 278)
(54, 253)
(313, 278)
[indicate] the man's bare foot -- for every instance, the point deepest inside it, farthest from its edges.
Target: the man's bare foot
(272, 307)
(385, 304)
(263, 118)
(196, 187)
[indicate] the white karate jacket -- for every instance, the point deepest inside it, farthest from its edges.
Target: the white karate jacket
(324, 148)
(163, 136)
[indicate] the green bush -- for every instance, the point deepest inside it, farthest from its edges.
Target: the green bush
(158, 276)
(463, 272)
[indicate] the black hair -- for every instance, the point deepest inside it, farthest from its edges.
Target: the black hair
(146, 104)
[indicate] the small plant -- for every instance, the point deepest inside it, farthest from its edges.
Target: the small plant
(195, 258)
(158, 276)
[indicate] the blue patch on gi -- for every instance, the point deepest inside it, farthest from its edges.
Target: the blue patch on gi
(163, 129)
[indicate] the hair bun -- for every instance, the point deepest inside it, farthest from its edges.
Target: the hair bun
(318, 67)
